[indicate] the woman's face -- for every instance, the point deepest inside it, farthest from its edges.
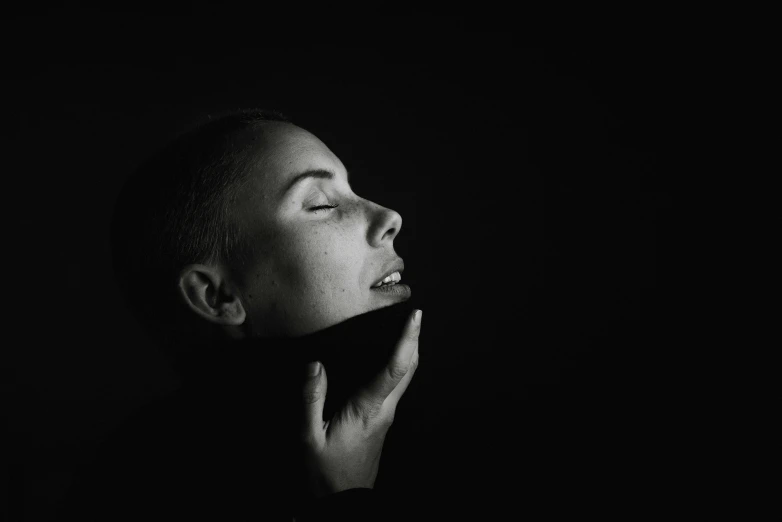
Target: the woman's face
(320, 248)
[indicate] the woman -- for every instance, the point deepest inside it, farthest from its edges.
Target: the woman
(244, 252)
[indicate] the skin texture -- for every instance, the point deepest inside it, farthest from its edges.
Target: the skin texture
(313, 267)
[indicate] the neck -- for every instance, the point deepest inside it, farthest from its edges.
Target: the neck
(352, 352)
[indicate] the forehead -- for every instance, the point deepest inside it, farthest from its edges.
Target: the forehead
(284, 150)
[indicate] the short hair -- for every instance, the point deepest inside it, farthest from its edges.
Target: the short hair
(175, 209)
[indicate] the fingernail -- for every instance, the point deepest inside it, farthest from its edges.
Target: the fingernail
(313, 369)
(417, 316)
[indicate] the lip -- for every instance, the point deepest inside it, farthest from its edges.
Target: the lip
(398, 265)
(398, 291)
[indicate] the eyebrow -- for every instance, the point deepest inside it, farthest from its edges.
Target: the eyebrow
(313, 173)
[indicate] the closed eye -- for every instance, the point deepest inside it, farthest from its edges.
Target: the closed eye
(323, 207)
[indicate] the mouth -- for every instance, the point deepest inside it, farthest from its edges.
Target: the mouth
(389, 280)
(392, 276)
(390, 283)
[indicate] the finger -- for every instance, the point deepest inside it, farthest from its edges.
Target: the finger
(393, 398)
(370, 398)
(314, 395)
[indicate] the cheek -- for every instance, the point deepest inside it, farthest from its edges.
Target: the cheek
(344, 255)
(335, 261)
(322, 260)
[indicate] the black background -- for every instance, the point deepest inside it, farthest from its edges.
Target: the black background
(535, 179)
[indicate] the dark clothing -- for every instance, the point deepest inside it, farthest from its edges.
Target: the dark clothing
(223, 446)
(597, 435)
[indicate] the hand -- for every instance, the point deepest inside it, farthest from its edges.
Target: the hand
(344, 452)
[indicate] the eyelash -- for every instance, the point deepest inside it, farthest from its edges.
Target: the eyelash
(323, 207)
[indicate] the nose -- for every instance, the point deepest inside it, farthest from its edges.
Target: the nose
(384, 224)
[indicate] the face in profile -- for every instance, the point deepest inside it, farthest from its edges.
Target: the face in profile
(322, 254)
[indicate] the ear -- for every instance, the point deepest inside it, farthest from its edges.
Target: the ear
(206, 291)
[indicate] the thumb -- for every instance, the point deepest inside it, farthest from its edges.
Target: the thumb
(314, 396)
(371, 397)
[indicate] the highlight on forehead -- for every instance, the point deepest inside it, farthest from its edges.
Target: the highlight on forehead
(293, 154)
(307, 174)
(267, 141)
